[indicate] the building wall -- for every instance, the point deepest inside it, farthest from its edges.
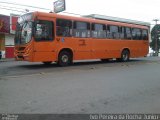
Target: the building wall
(2, 45)
(9, 46)
(9, 40)
(7, 31)
(2, 42)
(9, 52)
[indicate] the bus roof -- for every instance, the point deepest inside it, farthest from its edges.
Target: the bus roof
(99, 19)
(116, 19)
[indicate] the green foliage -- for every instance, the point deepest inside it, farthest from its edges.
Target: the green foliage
(155, 35)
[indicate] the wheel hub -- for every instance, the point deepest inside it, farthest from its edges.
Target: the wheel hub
(65, 58)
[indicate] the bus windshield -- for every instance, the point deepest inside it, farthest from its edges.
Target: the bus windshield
(24, 29)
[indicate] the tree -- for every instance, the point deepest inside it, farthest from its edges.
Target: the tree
(155, 36)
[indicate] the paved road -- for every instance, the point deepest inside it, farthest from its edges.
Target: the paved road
(86, 87)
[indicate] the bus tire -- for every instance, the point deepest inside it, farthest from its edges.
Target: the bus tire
(47, 63)
(125, 55)
(64, 58)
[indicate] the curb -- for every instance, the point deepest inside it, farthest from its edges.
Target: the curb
(7, 60)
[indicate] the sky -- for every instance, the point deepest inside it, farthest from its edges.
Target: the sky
(141, 10)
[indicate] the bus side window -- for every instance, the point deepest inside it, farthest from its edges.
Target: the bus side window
(136, 34)
(144, 35)
(121, 32)
(81, 29)
(128, 33)
(43, 30)
(63, 28)
(98, 31)
(139, 34)
(108, 32)
(114, 32)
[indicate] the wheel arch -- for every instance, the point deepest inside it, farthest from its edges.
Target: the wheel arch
(66, 49)
(126, 49)
(120, 59)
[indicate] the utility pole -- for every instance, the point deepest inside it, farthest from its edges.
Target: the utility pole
(156, 20)
(156, 40)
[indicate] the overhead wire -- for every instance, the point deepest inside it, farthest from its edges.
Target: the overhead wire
(17, 4)
(23, 5)
(12, 9)
(17, 8)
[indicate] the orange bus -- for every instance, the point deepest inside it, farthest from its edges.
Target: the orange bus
(50, 37)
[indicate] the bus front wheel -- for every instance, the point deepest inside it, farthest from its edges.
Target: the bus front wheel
(64, 58)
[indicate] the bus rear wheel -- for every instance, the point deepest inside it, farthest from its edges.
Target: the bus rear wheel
(64, 58)
(125, 55)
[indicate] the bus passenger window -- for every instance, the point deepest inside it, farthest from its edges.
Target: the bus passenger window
(114, 32)
(43, 30)
(63, 28)
(81, 29)
(128, 34)
(121, 32)
(136, 34)
(109, 36)
(139, 34)
(144, 35)
(98, 31)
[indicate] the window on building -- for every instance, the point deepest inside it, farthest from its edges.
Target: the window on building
(43, 30)
(98, 31)
(63, 28)
(81, 29)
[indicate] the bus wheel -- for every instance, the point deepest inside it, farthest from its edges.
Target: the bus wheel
(64, 58)
(125, 55)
